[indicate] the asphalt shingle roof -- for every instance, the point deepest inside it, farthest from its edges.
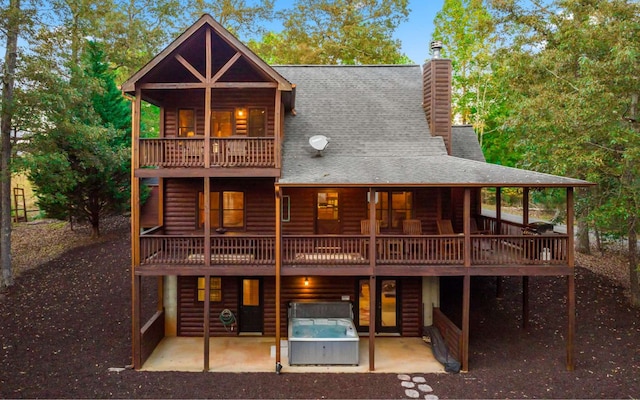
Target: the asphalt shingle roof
(378, 133)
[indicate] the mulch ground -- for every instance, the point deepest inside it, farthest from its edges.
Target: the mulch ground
(64, 324)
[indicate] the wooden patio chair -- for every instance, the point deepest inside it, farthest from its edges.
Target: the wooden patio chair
(365, 227)
(476, 231)
(450, 247)
(412, 227)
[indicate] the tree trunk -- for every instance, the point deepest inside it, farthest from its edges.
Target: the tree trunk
(13, 27)
(634, 268)
(583, 245)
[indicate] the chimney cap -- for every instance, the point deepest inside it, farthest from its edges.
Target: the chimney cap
(436, 46)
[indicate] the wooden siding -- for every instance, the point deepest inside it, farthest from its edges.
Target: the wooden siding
(228, 99)
(149, 211)
(191, 311)
(411, 318)
(181, 204)
(328, 288)
(437, 98)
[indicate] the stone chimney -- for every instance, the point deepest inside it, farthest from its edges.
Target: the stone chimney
(436, 89)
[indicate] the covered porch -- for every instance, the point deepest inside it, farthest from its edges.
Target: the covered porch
(257, 354)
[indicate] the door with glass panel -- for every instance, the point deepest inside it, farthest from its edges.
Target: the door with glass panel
(387, 306)
(328, 213)
(251, 309)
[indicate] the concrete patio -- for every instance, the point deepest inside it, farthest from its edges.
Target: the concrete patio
(257, 354)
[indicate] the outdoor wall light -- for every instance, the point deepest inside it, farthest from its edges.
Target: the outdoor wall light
(306, 281)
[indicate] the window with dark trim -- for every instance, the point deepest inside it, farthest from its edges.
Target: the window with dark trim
(227, 210)
(394, 207)
(215, 287)
(186, 122)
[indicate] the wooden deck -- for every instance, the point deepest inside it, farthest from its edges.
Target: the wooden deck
(223, 152)
(349, 254)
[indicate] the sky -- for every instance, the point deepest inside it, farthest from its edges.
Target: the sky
(415, 33)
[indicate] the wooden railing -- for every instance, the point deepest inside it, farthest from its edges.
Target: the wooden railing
(224, 152)
(354, 250)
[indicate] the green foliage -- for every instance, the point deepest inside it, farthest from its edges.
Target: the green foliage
(79, 160)
(336, 32)
(240, 17)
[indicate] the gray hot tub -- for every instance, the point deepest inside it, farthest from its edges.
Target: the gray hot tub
(322, 333)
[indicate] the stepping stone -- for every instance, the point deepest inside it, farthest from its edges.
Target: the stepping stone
(412, 393)
(430, 397)
(419, 379)
(403, 377)
(408, 384)
(425, 388)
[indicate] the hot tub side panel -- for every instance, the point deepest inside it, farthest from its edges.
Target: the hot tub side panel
(321, 352)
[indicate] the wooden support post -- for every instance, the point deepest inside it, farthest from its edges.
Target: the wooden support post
(207, 318)
(372, 322)
(498, 211)
(207, 263)
(278, 260)
(525, 206)
(372, 278)
(135, 317)
(525, 302)
(467, 227)
(571, 284)
(466, 306)
(135, 233)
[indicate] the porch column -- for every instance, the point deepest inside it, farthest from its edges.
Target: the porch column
(278, 250)
(207, 308)
(466, 303)
(207, 100)
(135, 232)
(466, 222)
(525, 279)
(571, 283)
(466, 294)
(207, 263)
(372, 278)
(499, 288)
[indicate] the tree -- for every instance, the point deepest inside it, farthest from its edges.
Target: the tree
(465, 28)
(237, 16)
(573, 71)
(11, 24)
(79, 165)
(336, 32)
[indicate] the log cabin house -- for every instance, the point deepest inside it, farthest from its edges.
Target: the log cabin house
(249, 214)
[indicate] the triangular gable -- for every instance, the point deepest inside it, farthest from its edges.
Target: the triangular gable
(249, 57)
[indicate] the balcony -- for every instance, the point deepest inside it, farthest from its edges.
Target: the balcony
(348, 254)
(224, 152)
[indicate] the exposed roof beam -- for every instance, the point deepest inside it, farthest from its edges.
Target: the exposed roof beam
(226, 67)
(190, 67)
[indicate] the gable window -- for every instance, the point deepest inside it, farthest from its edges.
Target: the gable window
(257, 122)
(186, 122)
(222, 123)
(227, 210)
(215, 287)
(394, 207)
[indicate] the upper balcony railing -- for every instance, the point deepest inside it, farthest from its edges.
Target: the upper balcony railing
(224, 152)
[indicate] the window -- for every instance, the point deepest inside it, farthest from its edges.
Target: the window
(222, 123)
(227, 210)
(186, 122)
(328, 206)
(394, 207)
(215, 285)
(257, 122)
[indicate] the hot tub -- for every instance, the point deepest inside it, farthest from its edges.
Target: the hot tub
(322, 333)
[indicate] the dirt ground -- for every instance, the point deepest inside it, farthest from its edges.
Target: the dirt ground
(66, 322)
